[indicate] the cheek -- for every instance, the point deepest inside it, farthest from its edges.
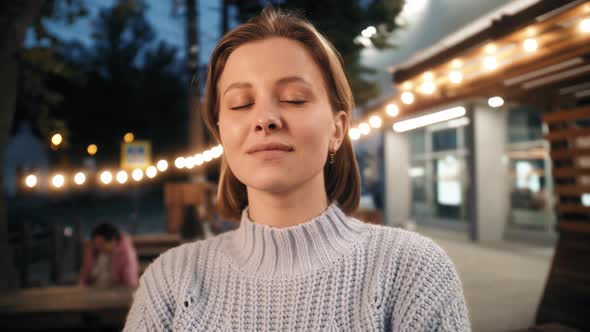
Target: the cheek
(312, 136)
(233, 134)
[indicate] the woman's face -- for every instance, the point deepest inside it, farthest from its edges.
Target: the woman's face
(103, 245)
(275, 119)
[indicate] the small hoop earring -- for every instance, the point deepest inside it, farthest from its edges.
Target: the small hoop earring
(332, 154)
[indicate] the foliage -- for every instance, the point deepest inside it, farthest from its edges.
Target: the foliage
(124, 81)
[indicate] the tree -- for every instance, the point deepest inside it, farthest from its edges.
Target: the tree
(341, 21)
(132, 83)
(15, 18)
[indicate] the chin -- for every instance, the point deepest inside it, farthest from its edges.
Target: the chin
(272, 184)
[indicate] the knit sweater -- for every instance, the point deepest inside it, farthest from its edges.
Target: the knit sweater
(332, 273)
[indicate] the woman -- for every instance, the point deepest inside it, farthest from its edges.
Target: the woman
(278, 101)
(109, 259)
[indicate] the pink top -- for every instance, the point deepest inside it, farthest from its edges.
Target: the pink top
(124, 267)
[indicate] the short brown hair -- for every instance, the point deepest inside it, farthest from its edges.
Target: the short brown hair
(342, 179)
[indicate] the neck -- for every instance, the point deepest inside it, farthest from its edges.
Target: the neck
(269, 251)
(288, 208)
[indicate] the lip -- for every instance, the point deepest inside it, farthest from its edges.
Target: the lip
(273, 146)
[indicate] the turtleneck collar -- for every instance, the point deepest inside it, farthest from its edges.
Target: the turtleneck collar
(265, 250)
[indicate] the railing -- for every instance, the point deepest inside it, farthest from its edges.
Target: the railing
(566, 298)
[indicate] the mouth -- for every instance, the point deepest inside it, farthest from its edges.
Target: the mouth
(270, 147)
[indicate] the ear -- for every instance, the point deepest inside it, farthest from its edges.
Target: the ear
(341, 128)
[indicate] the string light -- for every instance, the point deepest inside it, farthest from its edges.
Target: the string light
(375, 121)
(106, 177)
(179, 162)
(58, 181)
(392, 110)
(530, 45)
(407, 97)
(428, 88)
(490, 48)
(137, 174)
(79, 178)
(457, 63)
(162, 165)
(151, 172)
(207, 156)
(364, 128)
(189, 162)
(31, 181)
(217, 151)
(490, 62)
(122, 177)
(428, 76)
(199, 160)
(584, 25)
(455, 77)
(354, 134)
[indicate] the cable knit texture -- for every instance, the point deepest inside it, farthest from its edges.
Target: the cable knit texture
(332, 273)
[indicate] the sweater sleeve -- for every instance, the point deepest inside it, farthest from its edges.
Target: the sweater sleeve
(154, 301)
(433, 298)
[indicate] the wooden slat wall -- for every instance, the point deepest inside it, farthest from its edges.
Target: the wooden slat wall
(566, 298)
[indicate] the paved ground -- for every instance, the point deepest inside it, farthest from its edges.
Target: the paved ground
(503, 284)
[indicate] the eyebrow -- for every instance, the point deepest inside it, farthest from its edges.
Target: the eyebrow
(282, 81)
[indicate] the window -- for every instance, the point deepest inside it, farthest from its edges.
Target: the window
(444, 140)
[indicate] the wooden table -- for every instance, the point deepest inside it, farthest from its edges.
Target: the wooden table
(64, 307)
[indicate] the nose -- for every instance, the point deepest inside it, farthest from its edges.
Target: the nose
(268, 121)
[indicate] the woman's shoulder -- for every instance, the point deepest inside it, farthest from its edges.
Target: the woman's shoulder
(182, 257)
(408, 246)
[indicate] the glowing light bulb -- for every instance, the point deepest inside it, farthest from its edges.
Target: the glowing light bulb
(58, 181)
(407, 97)
(428, 88)
(79, 178)
(179, 162)
(137, 174)
(31, 181)
(392, 110)
(129, 138)
(455, 77)
(584, 25)
(106, 177)
(151, 172)
(490, 63)
(92, 149)
(354, 133)
(122, 177)
(364, 128)
(530, 45)
(162, 165)
(56, 139)
(375, 121)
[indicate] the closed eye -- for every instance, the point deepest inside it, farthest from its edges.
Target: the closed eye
(242, 106)
(294, 102)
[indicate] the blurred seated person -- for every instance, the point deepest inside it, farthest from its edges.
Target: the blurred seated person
(109, 259)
